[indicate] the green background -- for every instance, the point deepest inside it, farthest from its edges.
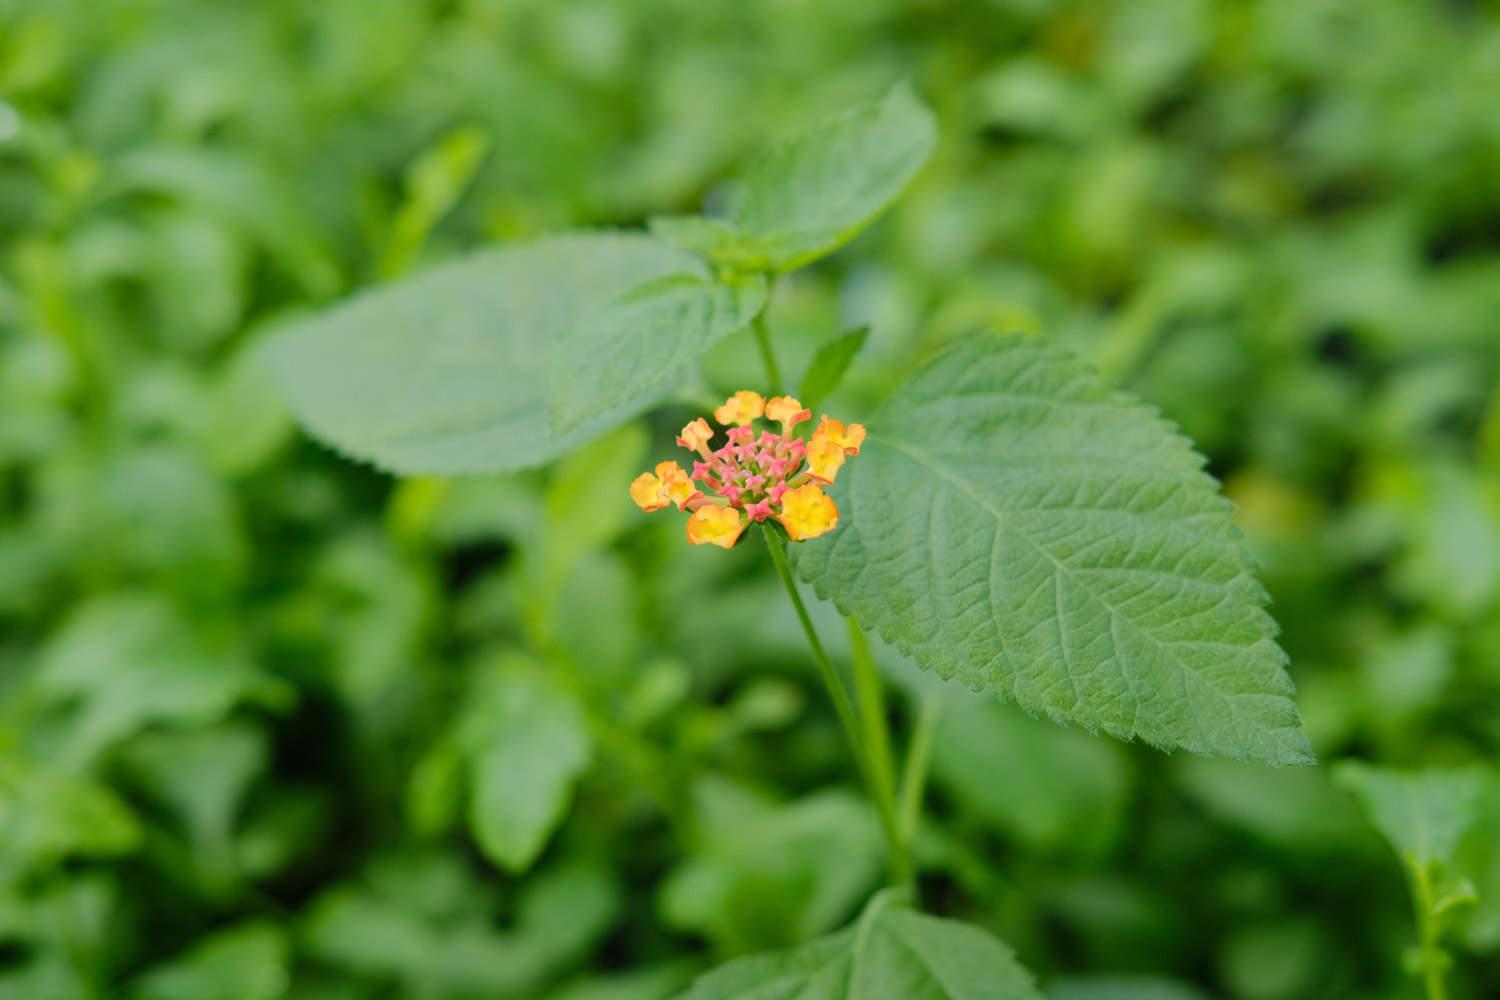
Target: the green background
(251, 693)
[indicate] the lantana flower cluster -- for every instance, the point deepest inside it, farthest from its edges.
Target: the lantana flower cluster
(754, 476)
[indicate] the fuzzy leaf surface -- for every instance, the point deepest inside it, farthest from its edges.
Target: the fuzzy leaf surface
(1015, 522)
(507, 358)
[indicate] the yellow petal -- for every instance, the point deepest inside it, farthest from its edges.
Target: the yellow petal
(696, 435)
(808, 512)
(787, 411)
(648, 493)
(848, 438)
(675, 483)
(741, 408)
(712, 525)
(824, 457)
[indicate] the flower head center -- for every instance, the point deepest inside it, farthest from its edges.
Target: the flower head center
(754, 476)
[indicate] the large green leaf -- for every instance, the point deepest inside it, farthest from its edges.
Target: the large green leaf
(892, 953)
(508, 358)
(1014, 522)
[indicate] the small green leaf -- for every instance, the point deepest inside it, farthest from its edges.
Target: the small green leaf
(767, 875)
(717, 239)
(249, 962)
(903, 953)
(891, 953)
(818, 970)
(238, 190)
(1072, 797)
(201, 775)
(1424, 814)
(48, 815)
(124, 662)
(433, 184)
(247, 420)
(454, 370)
(1015, 522)
(527, 743)
(435, 791)
(418, 918)
(828, 366)
(814, 193)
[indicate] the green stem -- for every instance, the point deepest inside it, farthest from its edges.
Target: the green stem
(877, 740)
(899, 858)
(867, 731)
(914, 773)
(1427, 931)
(830, 676)
(767, 351)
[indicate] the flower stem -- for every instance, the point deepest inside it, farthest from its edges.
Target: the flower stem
(877, 740)
(767, 351)
(867, 731)
(1429, 948)
(820, 656)
(914, 772)
(900, 859)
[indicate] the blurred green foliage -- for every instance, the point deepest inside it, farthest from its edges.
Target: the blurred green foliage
(257, 703)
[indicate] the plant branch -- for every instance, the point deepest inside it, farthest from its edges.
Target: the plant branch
(914, 772)
(884, 799)
(1429, 951)
(767, 351)
(831, 677)
(877, 741)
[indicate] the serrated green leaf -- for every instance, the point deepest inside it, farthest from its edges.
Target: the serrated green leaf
(453, 370)
(1016, 523)
(1424, 814)
(828, 366)
(810, 196)
(901, 953)
(891, 953)
(818, 970)
(527, 743)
